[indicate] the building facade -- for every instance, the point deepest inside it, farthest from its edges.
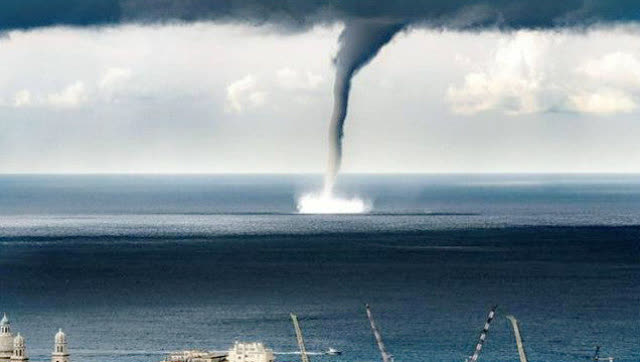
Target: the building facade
(195, 356)
(60, 352)
(19, 350)
(250, 352)
(6, 339)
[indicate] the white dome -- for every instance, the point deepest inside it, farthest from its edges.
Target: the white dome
(18, 342)
(61, 337)
(5, 320)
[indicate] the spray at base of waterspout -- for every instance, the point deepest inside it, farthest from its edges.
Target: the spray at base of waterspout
(327, 203)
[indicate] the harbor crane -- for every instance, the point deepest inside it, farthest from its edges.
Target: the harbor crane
(303, 350)
(386, 357)
(483, 335)
(516, 332)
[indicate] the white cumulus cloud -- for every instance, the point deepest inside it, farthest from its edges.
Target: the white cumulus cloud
(620, 69)
(114, 77)
(243, 93)
(604, 101)
(113, 83)
(22, 99)
(72, 96)
(525, 75)
(515, 80)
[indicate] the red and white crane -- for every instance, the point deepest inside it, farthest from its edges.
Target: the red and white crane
(483, 335)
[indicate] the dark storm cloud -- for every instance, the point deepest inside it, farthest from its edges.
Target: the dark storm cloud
(25, 14)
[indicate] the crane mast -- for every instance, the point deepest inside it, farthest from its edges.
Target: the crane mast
(483, 335)
(303, 349)
(516, 332)
(386, 357)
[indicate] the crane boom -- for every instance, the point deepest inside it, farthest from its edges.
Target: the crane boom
(516, 332)
(303, 349)
(386, 357)
(483, 335)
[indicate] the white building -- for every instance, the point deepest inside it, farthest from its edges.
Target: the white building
(15, 349)
(250, 352)
(60, 352)
(195, 356)
(6, 339)
(19, 350)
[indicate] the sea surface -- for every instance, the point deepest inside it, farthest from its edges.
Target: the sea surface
(132, 267)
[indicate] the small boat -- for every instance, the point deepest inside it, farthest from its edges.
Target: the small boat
(597, 357)
(333, 352)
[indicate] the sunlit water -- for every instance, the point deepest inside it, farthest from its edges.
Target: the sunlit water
(133, 267)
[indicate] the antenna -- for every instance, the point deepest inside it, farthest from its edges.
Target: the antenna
(386, 357)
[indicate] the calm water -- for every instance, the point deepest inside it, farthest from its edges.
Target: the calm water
(134, 266)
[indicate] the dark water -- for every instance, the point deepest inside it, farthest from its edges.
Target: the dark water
(132, 267)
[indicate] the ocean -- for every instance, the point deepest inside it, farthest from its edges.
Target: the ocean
(132, 267)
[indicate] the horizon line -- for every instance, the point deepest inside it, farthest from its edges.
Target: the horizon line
(315, 173)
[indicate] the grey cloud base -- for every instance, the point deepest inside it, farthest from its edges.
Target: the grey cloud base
(292, 14)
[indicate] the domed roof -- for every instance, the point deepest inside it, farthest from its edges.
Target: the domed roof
(18, 341)
(61, 337)
(5, 320)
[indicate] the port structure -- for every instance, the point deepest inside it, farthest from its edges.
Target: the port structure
(303, 350)
(386, 357)
(516, 333)
(483, 335)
